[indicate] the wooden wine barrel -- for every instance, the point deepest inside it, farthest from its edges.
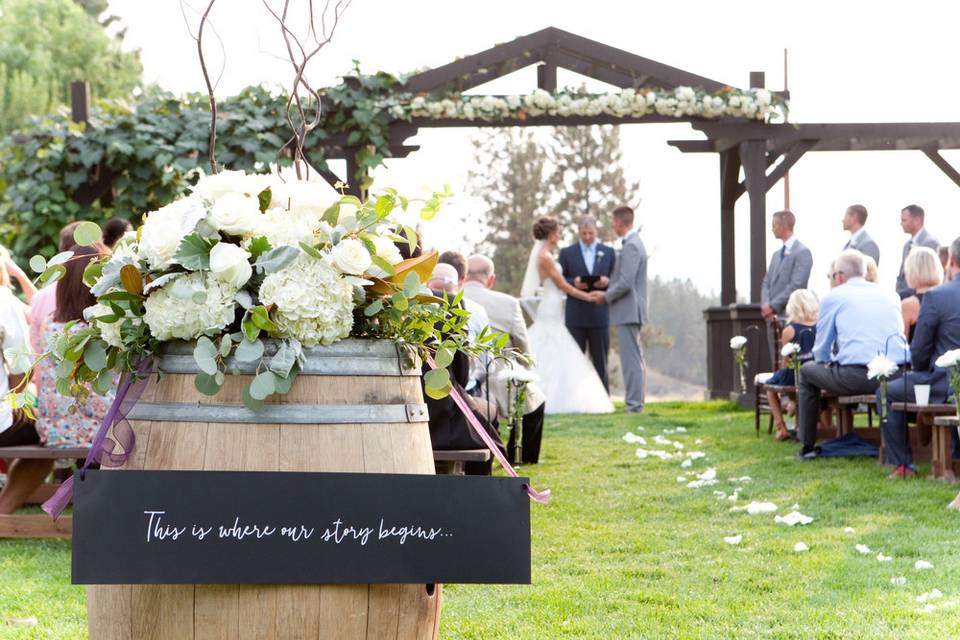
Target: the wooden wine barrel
(354, 408)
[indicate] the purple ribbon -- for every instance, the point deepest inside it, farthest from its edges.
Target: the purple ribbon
(114, 440)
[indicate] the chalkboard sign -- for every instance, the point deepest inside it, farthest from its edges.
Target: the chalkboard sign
(224, 527)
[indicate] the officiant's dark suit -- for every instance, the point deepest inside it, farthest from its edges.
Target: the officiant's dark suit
(589, 323)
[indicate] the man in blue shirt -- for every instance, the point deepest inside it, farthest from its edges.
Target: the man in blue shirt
(861, 320)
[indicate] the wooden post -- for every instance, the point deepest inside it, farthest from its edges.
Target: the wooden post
(729, 179)
(80, 100)
(353, 185)
(547, 77)
(753, 157)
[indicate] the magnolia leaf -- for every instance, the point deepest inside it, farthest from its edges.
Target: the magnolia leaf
(250, 330)
(131, 280)
(38, 264)
(282, 362)
(262, 385)
(423, 266)
(205, 355)
(206, 384)
(249, 350)
(95, 355)
(277, 259)
(194, 253)
(87, 233)
(261, 318)
(383, 264)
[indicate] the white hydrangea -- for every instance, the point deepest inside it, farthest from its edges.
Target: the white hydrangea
(164, 228)
(302, 197)
(282, 227)
(109, 331)
(213, 187)
(173, 312)
(314, 303)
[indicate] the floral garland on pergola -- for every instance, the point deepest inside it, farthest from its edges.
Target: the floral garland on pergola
(754, 104)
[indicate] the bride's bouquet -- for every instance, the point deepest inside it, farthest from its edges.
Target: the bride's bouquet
(247, 257)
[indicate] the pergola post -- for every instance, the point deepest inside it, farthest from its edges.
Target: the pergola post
(729, 192)
(753, 157)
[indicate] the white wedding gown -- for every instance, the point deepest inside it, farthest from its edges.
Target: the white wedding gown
(567, 376)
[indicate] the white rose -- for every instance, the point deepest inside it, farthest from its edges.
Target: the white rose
(948, 359)
(351, 257)
(213, 187)
(737, 342)
(387, 249)
(164, 228)
(230, 264)
(790, 349)
(237, 214)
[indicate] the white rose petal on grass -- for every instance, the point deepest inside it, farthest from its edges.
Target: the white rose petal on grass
(929, 608)
(643, 454)
(761, 507)
(678, 445)
(698, 441)
(934, 594)
(230, 264)
(630, 438)
(863, 549)
(734, 540)
(661, 440)
(883, 558)
(696, 455)
(793, 518)
(898, 581)
(687, 463)
(848, 530)
(681, 429)
(351, 257)
(800, 546)
(921, 565)
(734, 496)
(681, 478)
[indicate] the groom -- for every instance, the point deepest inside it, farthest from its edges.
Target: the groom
(627, 297)
(589, 324)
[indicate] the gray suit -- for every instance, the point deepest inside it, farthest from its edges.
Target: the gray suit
(923, 239)
(627, 297)
(788, 271)
(865, 245)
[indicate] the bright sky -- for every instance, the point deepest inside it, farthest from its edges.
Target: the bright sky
(853, 61)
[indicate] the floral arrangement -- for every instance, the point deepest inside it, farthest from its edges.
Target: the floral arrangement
(248, 257)
(754, 104)
(881, 368)
(517, 377)
(739, 346)
(951, 360)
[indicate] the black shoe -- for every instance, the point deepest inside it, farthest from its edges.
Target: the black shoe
(809, 453)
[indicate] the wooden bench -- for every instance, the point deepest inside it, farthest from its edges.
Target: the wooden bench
(452, 462)
(761, 405)
(848, 408)
(39, 526)
(937, 437)
(943, 428)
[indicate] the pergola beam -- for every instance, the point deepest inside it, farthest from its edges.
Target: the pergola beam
(934, 154)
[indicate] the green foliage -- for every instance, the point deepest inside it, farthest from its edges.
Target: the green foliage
(676, 312)
(44, 45)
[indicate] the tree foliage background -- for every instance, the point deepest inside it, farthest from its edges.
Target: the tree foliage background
(45, 44)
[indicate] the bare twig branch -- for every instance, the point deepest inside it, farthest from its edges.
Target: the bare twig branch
(213, 99)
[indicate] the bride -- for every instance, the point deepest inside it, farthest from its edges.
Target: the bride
(567, 376)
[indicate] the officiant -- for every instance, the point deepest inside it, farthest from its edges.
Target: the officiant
(587, 265)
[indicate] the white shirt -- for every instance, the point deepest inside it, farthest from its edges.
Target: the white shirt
(14, 335)
(788, 243)
(475, 323)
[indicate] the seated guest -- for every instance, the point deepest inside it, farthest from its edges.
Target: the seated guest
(802, 310)
(862, 320)
(923, 271)
(504, 313)
(42, 305)
(61, 421)
(446, 279)
(937, 331)
(115, 229)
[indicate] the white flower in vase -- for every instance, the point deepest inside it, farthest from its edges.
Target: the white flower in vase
(351, 257)
(949, 359)
(881, 367)
(165, 228)
(193, 305)
(236, 214)
(213, 187)
(230, 264)
(790, 349)
(109, 331)
(283, 227)
(738, 342)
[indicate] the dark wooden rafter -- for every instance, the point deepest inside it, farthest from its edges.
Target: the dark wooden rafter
(944, 165)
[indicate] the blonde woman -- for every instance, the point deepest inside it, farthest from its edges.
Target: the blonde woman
(923, 271)
(802, 311)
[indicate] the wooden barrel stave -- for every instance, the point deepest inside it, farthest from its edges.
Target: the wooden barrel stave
(272, 611)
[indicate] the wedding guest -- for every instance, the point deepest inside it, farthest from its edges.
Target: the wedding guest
(45, 300)
(789, 268)
(802, 310)
(872, 274)
(911, 221)
(15, 427)
(944, 253)
(937, 331)
(861, 320)
(853, 221)
(588, 323)
(923, 272)
(114, 230)
(505, 316)
(61, 420)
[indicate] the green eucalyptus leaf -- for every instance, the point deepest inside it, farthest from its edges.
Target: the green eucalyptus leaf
(226, 345)
(60, 258)
(399, 301)
(276, 259)
(249, 350)
(262, 385)
(87, 233)
(95, 355)
(52, 273)
(373, 308)
(103, 383)
(249, 401)
(282, 362)
(205, 355)
(411, 285)
(38, 264)
(206, 384)
(283, 385)
(444, 357)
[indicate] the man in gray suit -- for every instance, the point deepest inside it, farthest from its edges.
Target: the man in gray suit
(911, 221)
(853, 221)
(627, 297)
(789, 268)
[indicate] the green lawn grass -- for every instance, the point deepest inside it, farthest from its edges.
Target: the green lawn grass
(626, 551)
